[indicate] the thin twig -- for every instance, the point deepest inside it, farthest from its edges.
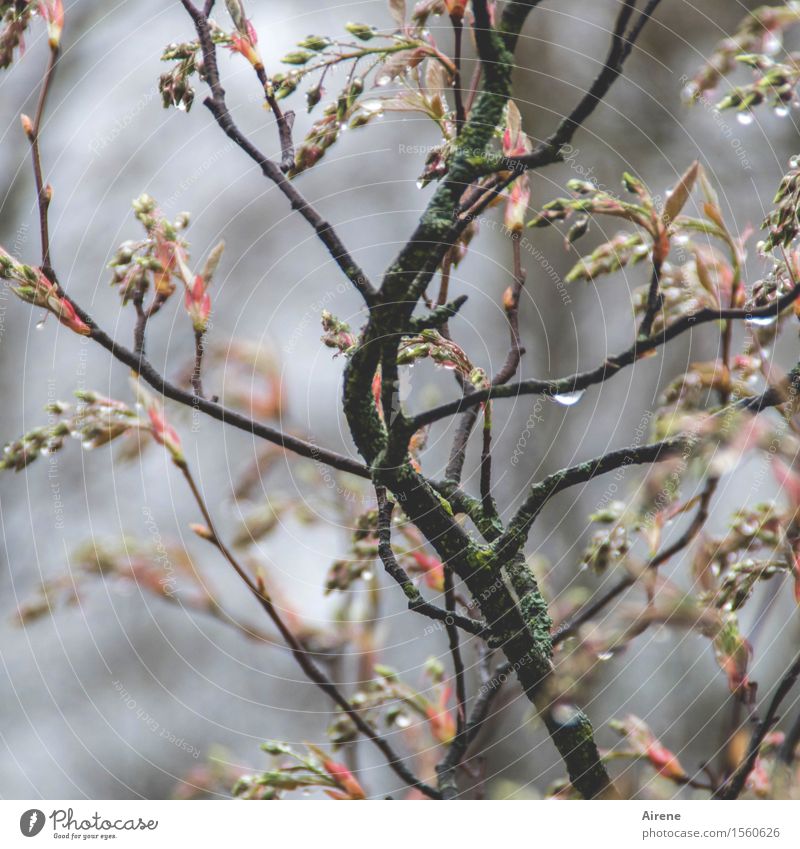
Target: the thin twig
(446, 770)
(549, 151)
(455, 652)
(284, 120)
(400, 576)
(219, 109)
(567, 629)
(458, 31)
(216, 411)
(509, 368)
(197, 370)
(304, 660)
(735, 784)
(42, 191)
(654, 301)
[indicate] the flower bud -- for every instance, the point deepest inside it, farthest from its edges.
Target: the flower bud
(202, 531)
(315, 42)
(27, 126)
(198, 304)
(244, 41)
(517, 205)
(237, 13)
(297, 57)
(363, 32)
(53, 12)
(456, 8)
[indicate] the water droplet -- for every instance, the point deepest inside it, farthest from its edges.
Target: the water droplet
(40, 323)
(402, 721)
(689, 92)
(681, 239)
(372, 106)
(744, 118)
(564, 714)
(605, 655)
(781, 111)
(567, 399)
(772, 43)
(180, 106)
(794, 162)
(420, 183)
(366, 575)
(383, 79)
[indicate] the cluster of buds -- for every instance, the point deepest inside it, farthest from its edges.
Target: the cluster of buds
(733, 653)
(775, 84)
(389, 698)
(644, 744)
(783, 222)
(126, 561)
(590, 200)
(705, 280)
(337, 334)
(742, 577)
(346, 110)
(299, 771)
(363, 553)
(607, 547)
(690, 391)
(31, 285)
(174, 85)
(622, 250)
(53, 12)
(161, 255)
(95, 421)
(444, 352)
(760, 32)
(774, 286)
(13, 23)
(399, 54)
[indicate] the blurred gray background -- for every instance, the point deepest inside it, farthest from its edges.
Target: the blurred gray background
(65, 730)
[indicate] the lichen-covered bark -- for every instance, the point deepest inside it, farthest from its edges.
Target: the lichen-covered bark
(503, 588)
